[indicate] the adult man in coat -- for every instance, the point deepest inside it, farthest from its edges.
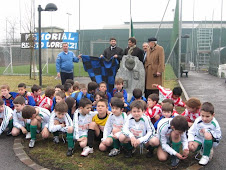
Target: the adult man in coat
(154, 66)
(133, 50)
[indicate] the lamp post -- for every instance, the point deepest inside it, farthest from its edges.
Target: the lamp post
(69, 14)
(49, 7)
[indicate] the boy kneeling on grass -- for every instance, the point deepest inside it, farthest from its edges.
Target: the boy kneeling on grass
(171, 133)
(82, 118)
(39, 121)
(96, 127)
(205, 133)
(59, 120)
(113, 127)
(138, 130)
(19, 123)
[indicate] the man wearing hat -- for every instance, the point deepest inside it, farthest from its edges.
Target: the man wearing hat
(154, 66)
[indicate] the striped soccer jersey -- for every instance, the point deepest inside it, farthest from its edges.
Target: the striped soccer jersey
(164, 131)
(213, 127)
(190, 116)
(113, 122)
(46, 100)
(66, 120)
(142, 130)
(155, 110)
(5, 116)
(168, 94)
(36, 98)
(81, 123)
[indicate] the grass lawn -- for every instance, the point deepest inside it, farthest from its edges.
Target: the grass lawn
(25, 69)
(53, 156)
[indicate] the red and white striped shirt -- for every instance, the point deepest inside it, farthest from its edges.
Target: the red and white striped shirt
(155, 110)
(46, 100)
(36, 98)
(191, 116)
(168, 94)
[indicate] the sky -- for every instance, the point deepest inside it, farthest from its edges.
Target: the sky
(94, 14)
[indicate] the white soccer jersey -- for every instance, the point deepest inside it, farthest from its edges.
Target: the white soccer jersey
(142, 130)
(5, 116)
(113, 122)
(213, 127)
(45, 115)
(81, 123)
(66, 119)
(164, 131)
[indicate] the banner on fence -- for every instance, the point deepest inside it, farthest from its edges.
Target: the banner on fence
(50, 40)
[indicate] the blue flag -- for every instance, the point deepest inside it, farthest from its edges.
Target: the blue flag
(101, 69)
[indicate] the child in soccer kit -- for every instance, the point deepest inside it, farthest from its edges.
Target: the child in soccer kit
(6, 118)
(71, 103)
(8, 96)
(126, 108)
(167, 111)
(113, 127)
(39, 121)
(47, 101)
(204, 133)
(96, 127)
(154, 110)
(171, 133)
(97, 96)
(171, 94)
(36, 93)
(82, 94)
(103, 88)
(59, 96)
(59, 120)
(119, 88)
(29, 100)
(138, 130)
(137, 95)
(82, 118)
(192, 110)
(58, 88)
(19, 123)
(68, 89)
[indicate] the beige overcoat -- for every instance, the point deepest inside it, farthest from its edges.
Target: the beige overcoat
(154, 62)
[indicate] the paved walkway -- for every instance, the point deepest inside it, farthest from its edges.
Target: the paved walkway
(211, 89)
(8, 160)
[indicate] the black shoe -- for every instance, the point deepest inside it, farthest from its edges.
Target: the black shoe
(128, 154)
(150, 152)
(8, 133)
(70, 151)
(174, 161)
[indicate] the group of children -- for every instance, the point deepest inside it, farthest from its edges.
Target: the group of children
(93, 114)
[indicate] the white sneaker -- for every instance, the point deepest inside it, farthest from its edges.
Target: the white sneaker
(28, 135)
(204, 160)
(86, 151)
(32, 143)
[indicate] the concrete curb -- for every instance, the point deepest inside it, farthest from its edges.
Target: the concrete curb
(183, 89)
(23, 157)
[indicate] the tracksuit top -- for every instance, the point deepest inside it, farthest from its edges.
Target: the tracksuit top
(81, 123)
(164, 131)
(54, 128)
(212, 127)
(5, 116)
(142, 130)
(113, 122)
